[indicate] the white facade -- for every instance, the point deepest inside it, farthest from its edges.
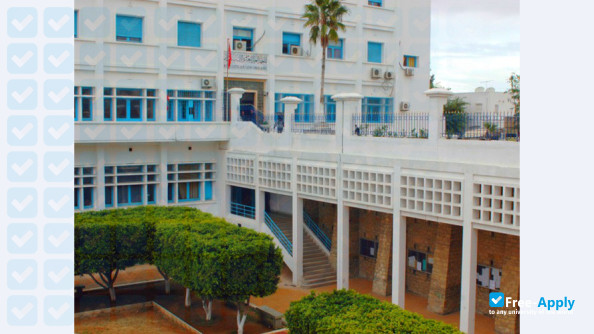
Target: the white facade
(205, 158)
(487, 101)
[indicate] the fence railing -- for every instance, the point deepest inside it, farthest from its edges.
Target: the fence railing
(313, 124)
(243, 210)
(317, 231)
(393, 126)
(278, 233)
(481, 126)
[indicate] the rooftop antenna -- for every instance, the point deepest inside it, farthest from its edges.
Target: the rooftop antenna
(485, 83)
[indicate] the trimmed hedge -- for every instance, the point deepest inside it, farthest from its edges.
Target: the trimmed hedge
(346, 311)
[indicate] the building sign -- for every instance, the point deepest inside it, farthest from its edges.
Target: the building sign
(248, 61)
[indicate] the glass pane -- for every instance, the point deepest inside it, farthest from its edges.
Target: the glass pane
(130, 178)
(107, 109)
(128, 92)
(135, 109)
(122, 109)
(136, 194)
(123, 195)
(188, 167)
(150, 109)
(88, 197)
(108, 196)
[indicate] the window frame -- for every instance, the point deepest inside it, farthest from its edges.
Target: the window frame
(199, 173)
(146, 177)
(76, 23)
(79, 99)
(407, 59)
(385, 112)
(375, 3)
(304, 112)
(82, 174)
(206, 100)
(199, 37)
(289, 45)
(148, 103)
(371, 58)
(250, 45)
(332, 49)
(122, 38)
(375, 244)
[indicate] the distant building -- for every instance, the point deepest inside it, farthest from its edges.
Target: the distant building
(487, 101)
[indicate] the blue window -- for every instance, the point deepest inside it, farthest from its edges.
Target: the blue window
(376, 3)
(129, 195)
(128, 28)
(171, 192)
(410, 61)
(190, 106)
(107, 104)
(188, 191)
(151, 193)
(83, 103)
(108, 197)
(188, 34)
(208, 190)
(128, 106)
(330, 106)
(336, 49)
(150, 104)
(75, 23)
(245, 35)
(378, 109)
(374, 52)
(289, 40)
(304, 112)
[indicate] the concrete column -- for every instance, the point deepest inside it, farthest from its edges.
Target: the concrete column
(221, 70)
(347, 105)
(162, 193)
(161, 103)
(235, 97)
(438, 97)
(297, 215)
(469, 261)
(291, 104)
(398, 258)
(100, 204)
(99, 82)
(342, 258)
(260, 207)
(269, 46)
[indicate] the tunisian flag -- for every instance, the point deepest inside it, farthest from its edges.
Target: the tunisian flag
(228, 54)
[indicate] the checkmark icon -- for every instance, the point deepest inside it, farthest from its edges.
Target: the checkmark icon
(22, 240)
(21, 61)
(57, 241)
(59, 276)
(22, 96)
(94, 60)
(59, 204)
(129, 61)
(167, 25)
(93, 25)
(21, 277)
(20, 313)
(59, 96)
(21, 169)
(21, 25)
(57, 61)
(496, 299)
(59, 168)
(20, 134)
(59, 132)
(57, 25)
(21, 205)
(59, 312)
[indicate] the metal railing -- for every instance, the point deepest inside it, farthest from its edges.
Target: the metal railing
(313, 124)
(243, 210)
(317, 231)
(282, 238)
(481, 126)
(391, 126)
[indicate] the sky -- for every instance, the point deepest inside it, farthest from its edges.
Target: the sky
(475, 43)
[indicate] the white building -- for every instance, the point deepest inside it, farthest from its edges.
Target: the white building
(487, 101)
(150, 129)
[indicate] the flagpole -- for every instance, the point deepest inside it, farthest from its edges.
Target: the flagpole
(226, 93)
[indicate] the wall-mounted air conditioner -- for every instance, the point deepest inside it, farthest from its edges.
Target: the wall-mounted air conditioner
(239, 45)
(409, 72)
(404, 106)
(206, 83)
(376, 73)
(295, 50)
(388, 75)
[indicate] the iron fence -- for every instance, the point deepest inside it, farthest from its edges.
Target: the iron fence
(414, 125)
(313, 124)
(481, 126)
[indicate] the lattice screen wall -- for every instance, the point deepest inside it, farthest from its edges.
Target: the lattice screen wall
(367, 187)
(240, 169)
(274, 173)
(496, 203)
(317, 180)
(431, 195)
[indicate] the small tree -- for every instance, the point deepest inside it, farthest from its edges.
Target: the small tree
(324, 18)
(514, 91)
(455, 116)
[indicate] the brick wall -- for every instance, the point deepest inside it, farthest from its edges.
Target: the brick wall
(444, 293)
(510, 285)
(420, 236)
(490, 252)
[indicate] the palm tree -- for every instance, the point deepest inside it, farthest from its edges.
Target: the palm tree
(324, 18)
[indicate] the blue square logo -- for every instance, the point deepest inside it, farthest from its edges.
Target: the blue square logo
(496, 299)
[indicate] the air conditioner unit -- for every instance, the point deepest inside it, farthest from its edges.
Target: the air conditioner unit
(206, 83)
(389, 75)
(404, 106)
(239, 45)
(409, 72)
(376, 73)
(295, 50)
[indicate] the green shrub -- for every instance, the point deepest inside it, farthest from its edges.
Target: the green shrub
(350, 312)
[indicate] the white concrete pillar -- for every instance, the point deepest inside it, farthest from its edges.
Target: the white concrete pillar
(291, 103)
(342, 246)
(260, 207)
(347, 105)
(469, 262)
(162, 193)
(235, 96)
(398, 258)
(221, 51)
(438, 97)
(100, 205)
(297, 215)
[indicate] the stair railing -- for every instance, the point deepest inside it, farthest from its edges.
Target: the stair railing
(278, 233)
(317, 231)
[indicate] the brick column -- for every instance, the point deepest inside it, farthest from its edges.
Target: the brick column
(510, 285)
(384, 257)
(444, 293)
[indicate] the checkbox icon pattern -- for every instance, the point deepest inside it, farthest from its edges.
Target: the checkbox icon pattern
(37, 153)
(496, 299)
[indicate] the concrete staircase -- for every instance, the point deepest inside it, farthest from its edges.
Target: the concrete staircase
(317, 270)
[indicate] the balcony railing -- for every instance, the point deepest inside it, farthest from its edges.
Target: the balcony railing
(481, 126)
(392, 126)
(243, 210)
(313, 124)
